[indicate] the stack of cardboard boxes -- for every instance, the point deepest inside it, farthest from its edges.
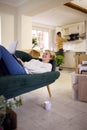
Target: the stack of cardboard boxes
(79, 80)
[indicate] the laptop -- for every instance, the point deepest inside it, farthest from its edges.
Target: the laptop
(12, 47)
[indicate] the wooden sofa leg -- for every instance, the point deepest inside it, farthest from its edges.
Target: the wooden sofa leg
(48, 88)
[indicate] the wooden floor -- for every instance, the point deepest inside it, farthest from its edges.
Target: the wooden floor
(65, 113)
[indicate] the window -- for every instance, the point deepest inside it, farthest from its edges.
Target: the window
(42, 38)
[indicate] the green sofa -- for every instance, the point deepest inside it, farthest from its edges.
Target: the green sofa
(15, 85)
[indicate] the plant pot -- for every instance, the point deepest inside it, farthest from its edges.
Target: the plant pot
(10, 121)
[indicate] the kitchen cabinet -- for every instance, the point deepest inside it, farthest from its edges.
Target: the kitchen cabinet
(69, 59)
(82, 28)
(74, 28)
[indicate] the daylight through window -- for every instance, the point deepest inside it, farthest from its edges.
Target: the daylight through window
(41, 38)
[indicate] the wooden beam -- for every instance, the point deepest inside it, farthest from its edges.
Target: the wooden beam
(77, 7)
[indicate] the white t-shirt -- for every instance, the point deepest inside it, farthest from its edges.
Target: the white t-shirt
(36, 66)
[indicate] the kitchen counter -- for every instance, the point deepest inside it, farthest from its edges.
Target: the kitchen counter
(69, 59)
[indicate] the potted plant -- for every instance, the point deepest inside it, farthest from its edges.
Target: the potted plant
(8, 118)
(34, 42)
(59, 61)
(2, 111)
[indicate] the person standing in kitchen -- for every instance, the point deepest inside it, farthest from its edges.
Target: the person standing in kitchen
(59, 44)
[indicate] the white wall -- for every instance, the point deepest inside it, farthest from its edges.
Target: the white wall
(26, 32)
(7, 29)
(52, 39)
(15, 26)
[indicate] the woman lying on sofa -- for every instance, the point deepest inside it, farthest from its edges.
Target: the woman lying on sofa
(32, 66)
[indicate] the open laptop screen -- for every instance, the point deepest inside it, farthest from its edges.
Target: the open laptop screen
(12, 47)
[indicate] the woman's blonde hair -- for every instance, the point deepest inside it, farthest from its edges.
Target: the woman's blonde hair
(52, 54)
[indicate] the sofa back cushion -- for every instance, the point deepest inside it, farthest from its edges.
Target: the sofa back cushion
(53, 62)
(23, 55)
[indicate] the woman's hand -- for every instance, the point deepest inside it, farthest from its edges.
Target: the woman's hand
(20, 61)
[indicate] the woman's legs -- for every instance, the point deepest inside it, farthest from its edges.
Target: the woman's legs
(11, 63)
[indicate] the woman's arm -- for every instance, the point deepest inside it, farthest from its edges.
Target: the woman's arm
(20, 61)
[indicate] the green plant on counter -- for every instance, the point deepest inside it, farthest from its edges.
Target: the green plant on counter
(59, 60)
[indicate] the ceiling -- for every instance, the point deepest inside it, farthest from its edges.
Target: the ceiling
(81, 3)
(50, 12)
(13, 2)
(59, 16)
